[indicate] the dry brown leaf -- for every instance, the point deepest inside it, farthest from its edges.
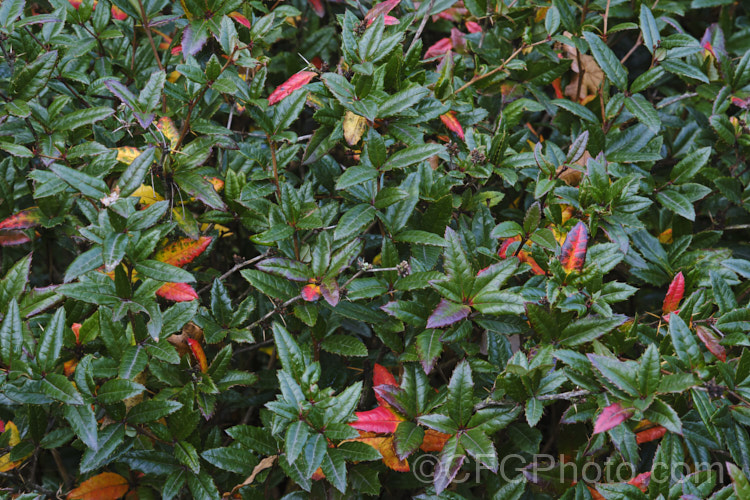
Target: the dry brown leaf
(180, 342)
(593, 76)
(263, 465)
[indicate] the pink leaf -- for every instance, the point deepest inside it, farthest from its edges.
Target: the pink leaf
(439, 48)
(612, 416)
(447, 313)
(381, 420)
(381, 8)
(711, 342)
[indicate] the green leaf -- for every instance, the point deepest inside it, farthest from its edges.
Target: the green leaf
(644, 111)
(400, 101)
(429, 348)
(407, 439)
(480, 447)
(152, 410)
(50, 343)
(334, 468)
(411, 155)
(84, 183)
(161, 271)
(607, 60)
(83, 422)
(420, 238)
(82, 117)
(199, 187)
(151, 93)
(29, 80)
(87, 261)
(133, 176)
(685, 345)
(315, 451)
(233, 459)
(59, 388)
(286, 111)
(113, 250)
(589, 328)
(677, 203)
(118, 390)
(354, 221)
(649, 30)
(682, 68)
(616, 372)
(461, 394)
(289, 351)
(690, 165)
(664, 415)
(14, 282)
(345, 345)
(355, 175)
(11, 334)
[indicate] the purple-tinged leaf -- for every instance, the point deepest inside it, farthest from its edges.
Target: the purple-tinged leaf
(123, 93)
(144, 119)
(193, 39)
(612, 416)
(330, 291)
(448, 466)
(429, 348)
(447, 313)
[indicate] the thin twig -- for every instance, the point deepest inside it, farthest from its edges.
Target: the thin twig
(421, 25)
(234, 269)
(637, 44)
(499, 68)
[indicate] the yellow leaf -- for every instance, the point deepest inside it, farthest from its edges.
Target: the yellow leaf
(15, 438)
(166, 125)
(354, 127)
(147, 195)
(127, 154)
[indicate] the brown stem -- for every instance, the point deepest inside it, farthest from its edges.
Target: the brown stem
(275, 166)
(502, 66)
(236, 268)
(144, 21)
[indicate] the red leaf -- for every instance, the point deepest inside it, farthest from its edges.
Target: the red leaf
(183, 251)
(439, 48)
(12, 238)
(651, 434)
(522, 255)
(382, 377)
(22, 220)
(612, 416)
(317, 6)
(473, 27)
(381, 8)
(381, 420)
(574, 249)
(240, 19)
(451, 123)
(198, 353)
(711, 342)
(104, 486)
(297, 81)
(674, 294)
(177, 292)
(641, 481)
(311, 292)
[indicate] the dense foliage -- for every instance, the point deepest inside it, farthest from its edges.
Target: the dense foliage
(342, 249)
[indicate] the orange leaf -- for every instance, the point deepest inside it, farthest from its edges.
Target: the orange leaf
(434, 440)
(711, 343)
(118, 14)
(641, 481)
(651, 434)
(666, 236)
(198, 353)
(167, 127)
(296, 81)
(22, 220)
(76, 327)
(183, 251)
(574, 249)
(104, 486)
(177, 292)
(12, 238)
(451, 123)
(240, 19)
(69, 367)
(381, 420)
(674, 295)
(385, 446)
